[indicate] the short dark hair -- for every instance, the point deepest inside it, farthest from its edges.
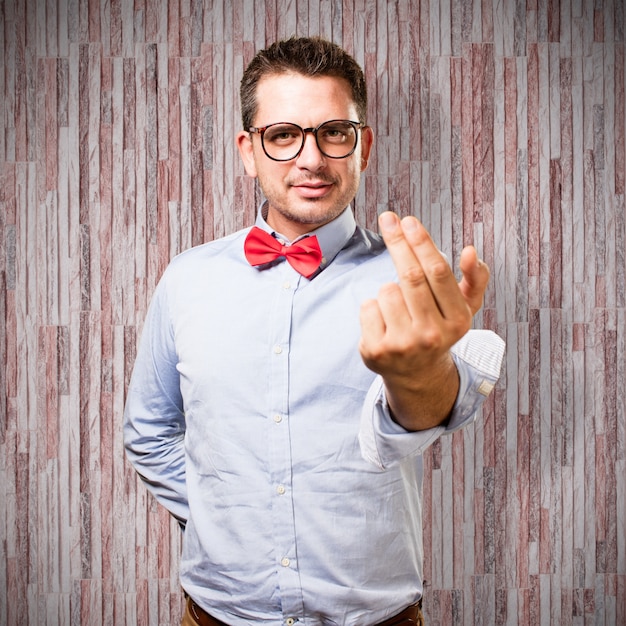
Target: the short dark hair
(309, 56)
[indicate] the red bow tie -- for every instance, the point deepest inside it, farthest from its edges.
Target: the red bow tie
(304, 256)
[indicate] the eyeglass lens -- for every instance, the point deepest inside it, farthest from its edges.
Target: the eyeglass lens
(335, 139)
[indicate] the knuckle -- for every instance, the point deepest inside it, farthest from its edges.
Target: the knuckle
(376, 353)
(393, 238)
(431, 339)
(372, 354)
(440, 270)
(389, 290)
(369, 307)
(462, 321)
(413, 275)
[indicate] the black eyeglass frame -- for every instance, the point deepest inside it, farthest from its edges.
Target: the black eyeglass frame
(260, 130)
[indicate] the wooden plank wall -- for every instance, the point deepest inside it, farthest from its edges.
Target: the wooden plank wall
(501, 123)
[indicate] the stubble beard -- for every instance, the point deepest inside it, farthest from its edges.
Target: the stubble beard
(312, 214)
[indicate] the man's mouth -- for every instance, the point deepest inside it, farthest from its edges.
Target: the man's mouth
(312, 189)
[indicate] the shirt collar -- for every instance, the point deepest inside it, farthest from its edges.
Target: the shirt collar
(332, 237)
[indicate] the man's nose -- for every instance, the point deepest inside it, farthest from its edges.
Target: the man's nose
(310, 157)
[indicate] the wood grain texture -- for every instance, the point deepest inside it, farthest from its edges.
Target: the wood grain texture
(501, 124)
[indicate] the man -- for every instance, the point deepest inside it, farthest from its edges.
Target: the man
(284, 435)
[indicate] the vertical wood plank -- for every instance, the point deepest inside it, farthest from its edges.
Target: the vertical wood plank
(500, 125)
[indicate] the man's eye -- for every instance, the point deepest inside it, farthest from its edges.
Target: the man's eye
(281, 135)
(336, 134)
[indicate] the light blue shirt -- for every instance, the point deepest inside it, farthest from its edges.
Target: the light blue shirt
(252, 418)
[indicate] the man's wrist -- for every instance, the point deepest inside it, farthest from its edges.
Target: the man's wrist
(424, 400)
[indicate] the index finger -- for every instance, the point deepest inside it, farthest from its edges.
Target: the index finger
(426, 278)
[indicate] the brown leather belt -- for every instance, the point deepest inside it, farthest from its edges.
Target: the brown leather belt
(411, 615)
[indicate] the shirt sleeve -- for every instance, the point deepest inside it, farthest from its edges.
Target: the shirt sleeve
(478, 358)
(154, 420)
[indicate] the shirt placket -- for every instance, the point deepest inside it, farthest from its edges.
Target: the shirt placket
(288, 282)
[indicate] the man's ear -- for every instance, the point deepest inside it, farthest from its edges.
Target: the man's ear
(246, 150)
(367, 141)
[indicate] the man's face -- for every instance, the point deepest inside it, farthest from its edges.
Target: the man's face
(311, 189)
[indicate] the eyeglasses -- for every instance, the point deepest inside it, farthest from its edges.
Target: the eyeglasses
(283, 141)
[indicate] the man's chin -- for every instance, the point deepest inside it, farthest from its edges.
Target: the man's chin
(310, 214)
(315, 212)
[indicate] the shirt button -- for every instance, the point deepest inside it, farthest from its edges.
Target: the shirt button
(277, 349)
(286, 285)
(290, 621)
(278, 418)
(285, 562)
(280, 490)
(486, 387)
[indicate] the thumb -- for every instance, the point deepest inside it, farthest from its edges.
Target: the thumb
(475, 278)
